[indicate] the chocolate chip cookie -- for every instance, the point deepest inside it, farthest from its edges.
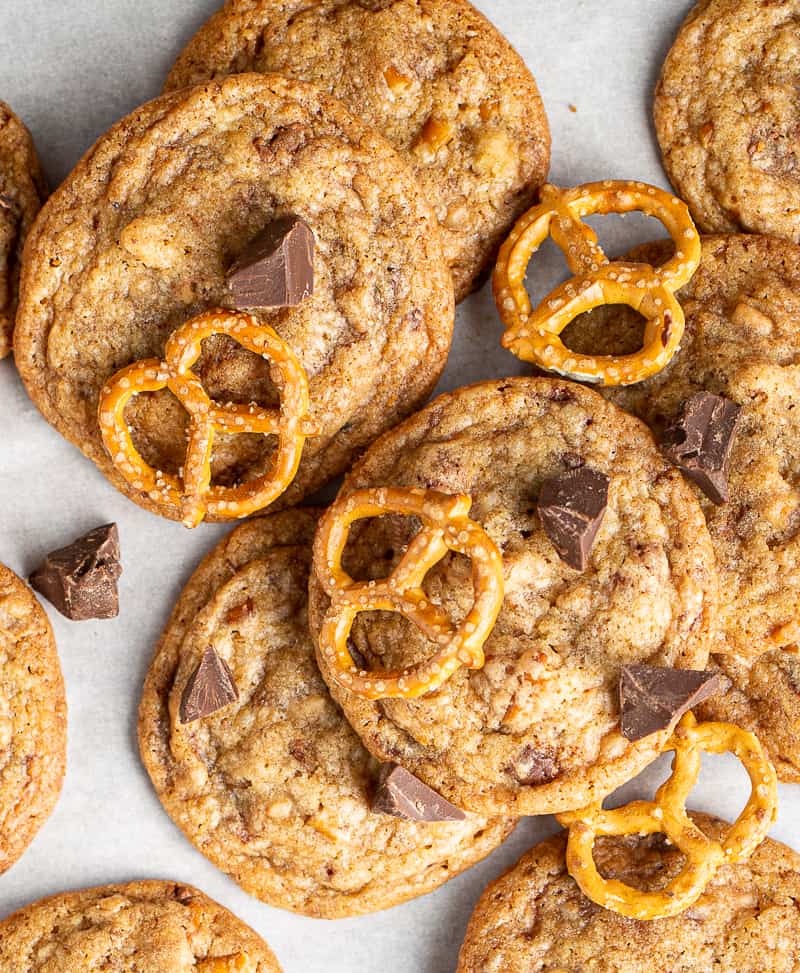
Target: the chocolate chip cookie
(741, 342)
(434, 76)
(536, 918)
(275, 788)
(33, 718)
(22, 190)
(537, 728)
(141, 235)
(728, 118)
(160, 926)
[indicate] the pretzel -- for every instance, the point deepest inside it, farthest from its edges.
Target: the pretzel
(191, 493)
(533, 335)
(446, 527)
(667, 814)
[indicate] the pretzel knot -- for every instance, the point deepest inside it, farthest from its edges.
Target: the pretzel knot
(667, 814)
(191, 493)
(446, 527)
(533, 334)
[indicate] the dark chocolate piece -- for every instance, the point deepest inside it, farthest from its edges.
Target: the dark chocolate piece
(653, 697)
(209, 688)
(276, 269)
(81, 579)
(699, 442)
(405, 796)
(532, 767)
(571, 509)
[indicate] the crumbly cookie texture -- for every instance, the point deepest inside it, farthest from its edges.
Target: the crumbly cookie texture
(138, 240)
(22, 190)
(276, 788)
(728, 117)
(537, 728)
(536, 918)
(741, 341)
(434, 76)
(33, 718)
(160, 926)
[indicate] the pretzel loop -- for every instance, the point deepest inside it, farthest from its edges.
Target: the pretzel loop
(533, 333)
(446, 527)
(667, 814)
(191, 493)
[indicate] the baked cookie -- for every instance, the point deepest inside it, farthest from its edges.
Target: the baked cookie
(276, 789)
(139, 238)
(536, 918)
(33, 718)
(536, 730)
(742, 342)
(158, 926)
(728, 119)
(22, 190)
(434, 76)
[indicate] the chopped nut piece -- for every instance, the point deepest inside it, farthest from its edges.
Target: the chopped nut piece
(749, 317)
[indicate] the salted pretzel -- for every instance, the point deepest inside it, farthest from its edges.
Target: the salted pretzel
(533, 334)
(667, 814)
(191, 493)
(445, 527)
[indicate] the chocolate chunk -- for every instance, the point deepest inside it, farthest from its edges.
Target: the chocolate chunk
(209, 688)
(699, 442)
(81, 579)
(532, 767)
(653, 697)
(405, 796)
(276, 269)
(571, 509)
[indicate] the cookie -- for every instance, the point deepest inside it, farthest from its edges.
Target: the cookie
(727, 116)
(434, 76)
(140, 236)
(537, 728)
(741, 342)
(22, 190)
(536, 918)
(161, 926)
(33, 718)
(276, 789)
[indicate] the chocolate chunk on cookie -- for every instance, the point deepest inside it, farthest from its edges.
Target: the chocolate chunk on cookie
(652, 698)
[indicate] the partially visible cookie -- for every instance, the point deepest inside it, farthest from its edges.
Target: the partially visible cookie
(728, 117)
(33, 718)
(433, 76)
(163, 927)
(536, 918)
(22, 190)
(276, 788)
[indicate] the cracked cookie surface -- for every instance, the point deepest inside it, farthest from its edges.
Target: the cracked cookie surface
(433, 76)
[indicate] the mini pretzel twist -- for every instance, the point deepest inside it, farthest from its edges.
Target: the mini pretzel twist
(446, 527)
(191, 493)
(667, 814)
(533, 334)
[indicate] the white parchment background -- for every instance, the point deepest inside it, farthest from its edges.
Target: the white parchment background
(71, 68)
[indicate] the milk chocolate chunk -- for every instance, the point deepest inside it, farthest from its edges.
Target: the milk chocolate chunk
(571, 509)
(405, 796)
(699, 442)
(652, 697)
(209, 688)
(276, 269)
(81, 579)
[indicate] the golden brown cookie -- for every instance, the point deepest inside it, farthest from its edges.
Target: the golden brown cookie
(434, 76)
(138, 240)
(22, 190)
(537, 728)
(742, 341)
(155, 926)
(276, 788)
(536, 918)
(728, 118)
(33, 718)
